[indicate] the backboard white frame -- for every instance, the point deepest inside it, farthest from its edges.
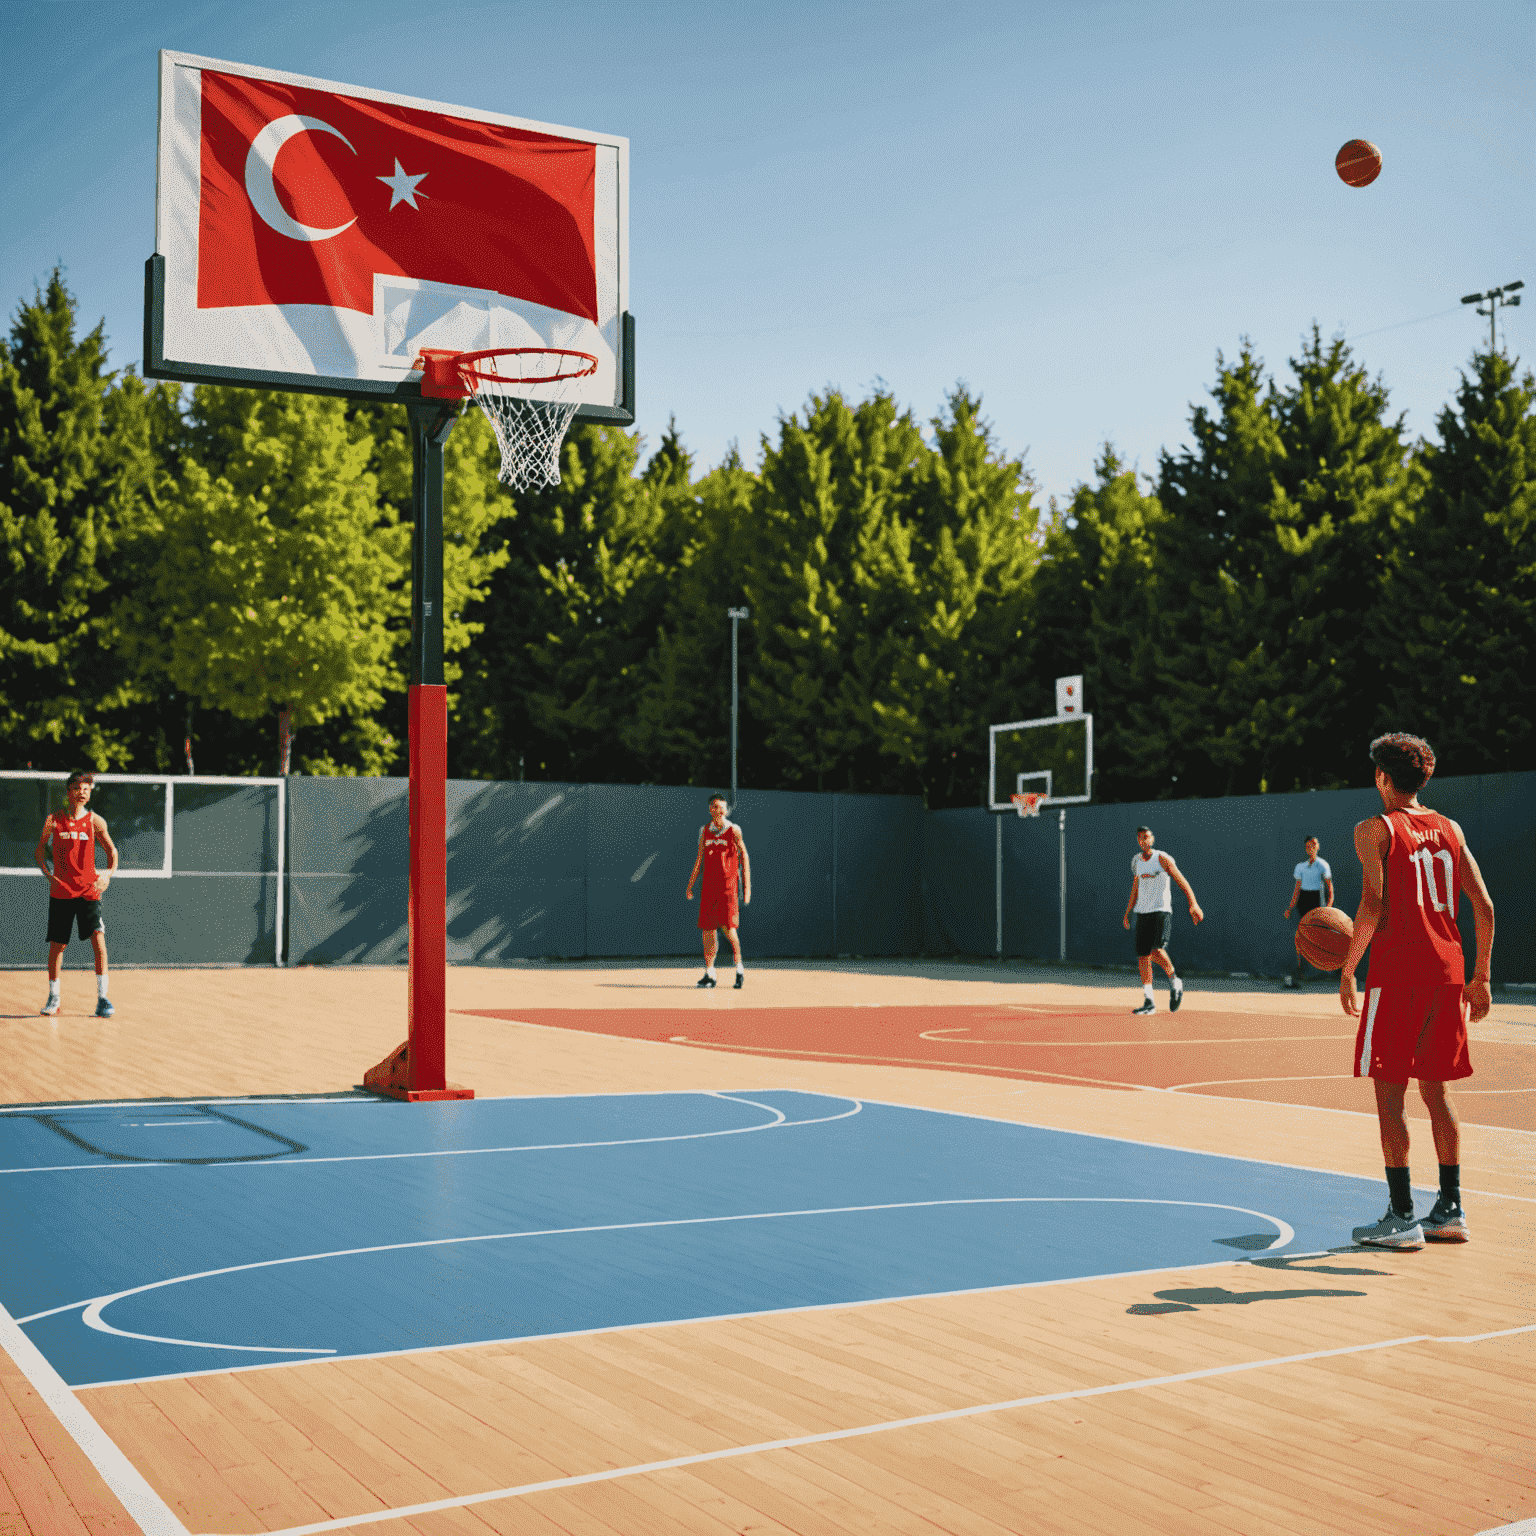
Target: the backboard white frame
(319, 350)
(994, 804)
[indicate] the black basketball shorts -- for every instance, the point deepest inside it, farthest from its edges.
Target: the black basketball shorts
(1308, 901)
(1153, 930)
(66, 912)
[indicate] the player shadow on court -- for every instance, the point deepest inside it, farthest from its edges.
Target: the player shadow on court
(1191, 1299)
(1196, 1297)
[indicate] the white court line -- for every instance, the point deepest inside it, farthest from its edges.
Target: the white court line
(319, 1528)
(1337, 1077)
(154, 1516)
(554, 1146)
(92, 1307)
(68, 1106)
(1231, 1157)
(1231, 1082)
(907, 1061)
(938, 1034)
(715, 1317)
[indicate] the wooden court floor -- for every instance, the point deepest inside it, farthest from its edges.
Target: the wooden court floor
(1357, 1391)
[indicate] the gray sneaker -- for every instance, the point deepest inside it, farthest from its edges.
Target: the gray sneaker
(1446, 1224)
(1392, 1231)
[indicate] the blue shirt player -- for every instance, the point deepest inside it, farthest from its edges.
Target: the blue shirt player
(1313, 888)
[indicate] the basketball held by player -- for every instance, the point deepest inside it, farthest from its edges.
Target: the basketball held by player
(75, 885)
(1154, 873)
(722, 858)
(1414, 867)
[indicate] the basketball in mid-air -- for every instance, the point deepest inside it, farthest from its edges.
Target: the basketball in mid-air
(1323, 937)
(1358, 164)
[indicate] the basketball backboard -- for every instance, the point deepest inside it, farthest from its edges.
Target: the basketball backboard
(317, 237)
(1052, 755)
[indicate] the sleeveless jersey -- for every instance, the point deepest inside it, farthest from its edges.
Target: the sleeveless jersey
(720, 858)
(1418, 943)
(1154, 890)
(74, 853)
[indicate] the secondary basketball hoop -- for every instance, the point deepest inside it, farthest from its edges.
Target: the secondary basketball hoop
(530, 429)
(1027, 804)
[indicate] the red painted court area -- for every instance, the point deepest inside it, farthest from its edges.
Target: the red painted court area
(1233, 1055)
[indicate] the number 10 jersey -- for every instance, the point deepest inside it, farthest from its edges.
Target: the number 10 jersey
(1418, 943)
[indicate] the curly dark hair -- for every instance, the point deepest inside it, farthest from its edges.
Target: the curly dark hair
(1409, 761)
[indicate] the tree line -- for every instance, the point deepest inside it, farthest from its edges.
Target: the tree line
(186, 569)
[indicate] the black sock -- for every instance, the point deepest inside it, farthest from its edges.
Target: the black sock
(1450, 1183)
(1400, 1190)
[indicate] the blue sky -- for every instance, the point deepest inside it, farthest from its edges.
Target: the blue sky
(1070, 207)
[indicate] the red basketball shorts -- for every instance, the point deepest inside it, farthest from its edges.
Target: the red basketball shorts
(1418, 1032)
(717, 909)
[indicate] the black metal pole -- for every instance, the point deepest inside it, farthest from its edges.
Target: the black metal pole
(430, 426)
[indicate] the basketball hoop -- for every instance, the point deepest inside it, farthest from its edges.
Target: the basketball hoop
(1028, 804)
(530, 431)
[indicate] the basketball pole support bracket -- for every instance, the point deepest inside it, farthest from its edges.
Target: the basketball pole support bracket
(417, 1070)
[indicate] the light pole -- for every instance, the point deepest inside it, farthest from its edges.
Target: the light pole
(735, 615)
(1494, 297)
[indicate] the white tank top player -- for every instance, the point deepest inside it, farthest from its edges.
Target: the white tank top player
(1154, 890)
(1154, 873)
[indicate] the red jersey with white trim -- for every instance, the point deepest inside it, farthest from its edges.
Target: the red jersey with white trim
(74, 853)
(1418, 943)
(721, 860)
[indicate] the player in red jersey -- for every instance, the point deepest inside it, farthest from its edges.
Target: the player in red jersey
(723, 857)
(1414, 865)
(75, 886)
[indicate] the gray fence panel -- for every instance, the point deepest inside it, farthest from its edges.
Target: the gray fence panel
(517, 857)
(1237, 853)
(348, 861)
(222, 827)
(218, 907)
(959, 856)
(1503, 840)
(1031, 884)
(878, 841)
(789, 840)
(641, 842)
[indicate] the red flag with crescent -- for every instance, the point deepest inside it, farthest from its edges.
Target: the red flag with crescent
(306, 193)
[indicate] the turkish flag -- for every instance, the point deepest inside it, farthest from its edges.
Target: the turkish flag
(307, 193)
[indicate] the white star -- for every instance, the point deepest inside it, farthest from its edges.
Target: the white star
(403, 187)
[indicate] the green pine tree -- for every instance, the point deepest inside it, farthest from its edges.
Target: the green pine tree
(77, 470)
(1094, 610)
(830, 549)
(679, 726)
(1281, 514)
(953, 595)
(572, 615)
(1455, 632)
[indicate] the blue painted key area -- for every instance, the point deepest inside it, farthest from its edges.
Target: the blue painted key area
(147, 1240)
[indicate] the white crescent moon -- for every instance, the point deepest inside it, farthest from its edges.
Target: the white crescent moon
(258, 176)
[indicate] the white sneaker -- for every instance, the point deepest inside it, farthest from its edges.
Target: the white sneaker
(1392, 1231)
(50, 1008)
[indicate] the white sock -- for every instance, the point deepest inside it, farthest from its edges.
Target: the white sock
(53, 991)
(709, 970)
(101, 985)
(1174, 983)
(740, 968)
(1147, 990)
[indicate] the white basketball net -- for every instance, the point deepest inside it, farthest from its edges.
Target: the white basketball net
(530, 433)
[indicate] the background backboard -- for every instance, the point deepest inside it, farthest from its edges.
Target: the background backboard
(1052, 755)
(315, 237)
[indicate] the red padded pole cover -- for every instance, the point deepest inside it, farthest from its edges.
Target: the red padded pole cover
(429, 887)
